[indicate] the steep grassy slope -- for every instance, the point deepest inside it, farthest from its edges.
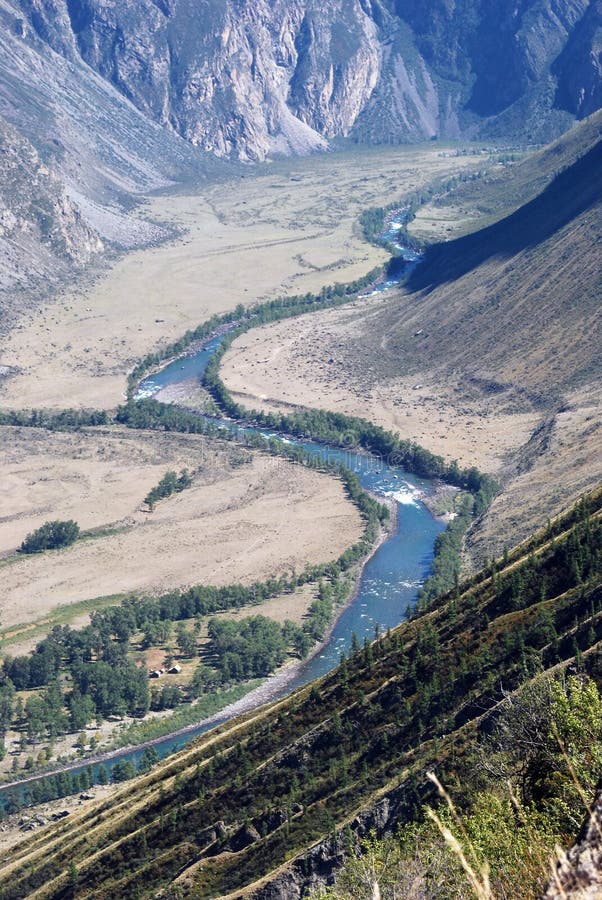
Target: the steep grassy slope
(517, 300)
(504, 190)
(251, 808)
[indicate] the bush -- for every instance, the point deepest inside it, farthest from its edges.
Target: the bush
(51, 535)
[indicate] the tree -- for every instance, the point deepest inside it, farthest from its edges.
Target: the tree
(123, 770)
(186, 640)
(549, 738)
(81, 710)
(7, 693)
(35, 716)
(148, 759)
(51, 535)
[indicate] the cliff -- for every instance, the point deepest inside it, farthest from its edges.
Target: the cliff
(251, 79)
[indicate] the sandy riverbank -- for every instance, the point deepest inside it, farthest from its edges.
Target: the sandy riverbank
(326, 360)
(317, 361)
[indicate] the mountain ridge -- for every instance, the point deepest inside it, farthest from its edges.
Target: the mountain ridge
(260, 806)
(249, 80)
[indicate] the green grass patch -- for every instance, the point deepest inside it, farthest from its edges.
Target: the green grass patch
(61, 615)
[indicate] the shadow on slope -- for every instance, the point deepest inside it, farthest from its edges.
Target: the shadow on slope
(570, 194)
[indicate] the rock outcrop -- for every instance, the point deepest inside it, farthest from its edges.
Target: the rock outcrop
(121, 98)
(578, 874)
(42, 233)
(250, 79)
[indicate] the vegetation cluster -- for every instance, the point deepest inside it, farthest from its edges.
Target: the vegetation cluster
(463, 686)
(50, 536)
(171, 483)
(75, 676)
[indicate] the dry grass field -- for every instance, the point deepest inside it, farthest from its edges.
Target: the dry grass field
(290, 227)
(489, 355)
(326, 360)
(245, 517)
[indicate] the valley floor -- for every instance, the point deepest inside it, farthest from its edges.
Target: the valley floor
(246, 516)
(291, 228)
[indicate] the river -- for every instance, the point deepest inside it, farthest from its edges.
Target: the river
(388, 583)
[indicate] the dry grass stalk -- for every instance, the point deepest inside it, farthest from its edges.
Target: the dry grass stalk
(479, 882)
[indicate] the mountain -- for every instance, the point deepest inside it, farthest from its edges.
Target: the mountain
(39, 223)
(121, 99)
(75, 155)
(510, 315)
(249, 79)
(496, 331)
(264, 806)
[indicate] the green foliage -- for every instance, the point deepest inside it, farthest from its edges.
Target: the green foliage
(415, 699)
(50, 536)
(171, 483)
(54, 421)
(247, 648)
(123, 770)
(505, 841)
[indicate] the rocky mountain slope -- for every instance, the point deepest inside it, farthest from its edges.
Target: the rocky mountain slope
(42, 233)
(74, 156)
(119, 99)
(253, 78)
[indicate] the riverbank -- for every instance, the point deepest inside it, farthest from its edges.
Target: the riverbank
(276, 685)
(253, 515)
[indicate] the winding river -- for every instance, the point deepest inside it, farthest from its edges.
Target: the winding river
(388, 583)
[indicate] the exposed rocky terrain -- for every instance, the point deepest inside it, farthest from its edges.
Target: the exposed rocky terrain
(119, 99)
(251, 79)
(42, 233)
(578, 875)
(74, 156)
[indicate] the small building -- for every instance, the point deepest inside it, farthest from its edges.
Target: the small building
(175, 669)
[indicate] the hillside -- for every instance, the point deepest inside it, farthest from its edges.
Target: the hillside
(75, 157)
(38, 223)
(550, 240)
(251, 809)
(487, 354)
(503, 190)
(248, 80)
(118, 99)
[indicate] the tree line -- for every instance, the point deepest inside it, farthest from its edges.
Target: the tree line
(50, 536)
(171, 483)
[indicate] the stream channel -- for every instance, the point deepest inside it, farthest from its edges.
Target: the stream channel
(388, 583)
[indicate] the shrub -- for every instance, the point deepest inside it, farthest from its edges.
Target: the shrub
(51, 535)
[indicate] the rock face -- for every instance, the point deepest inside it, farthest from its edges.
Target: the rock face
(248, 79)
(42, 233)
(121, 98)
(74, 153)
(578, 874)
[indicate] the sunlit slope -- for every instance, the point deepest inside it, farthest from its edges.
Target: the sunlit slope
(506, 188)
(255, 803)
(518, 303)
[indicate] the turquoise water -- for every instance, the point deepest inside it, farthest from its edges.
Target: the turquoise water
(389, 581)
